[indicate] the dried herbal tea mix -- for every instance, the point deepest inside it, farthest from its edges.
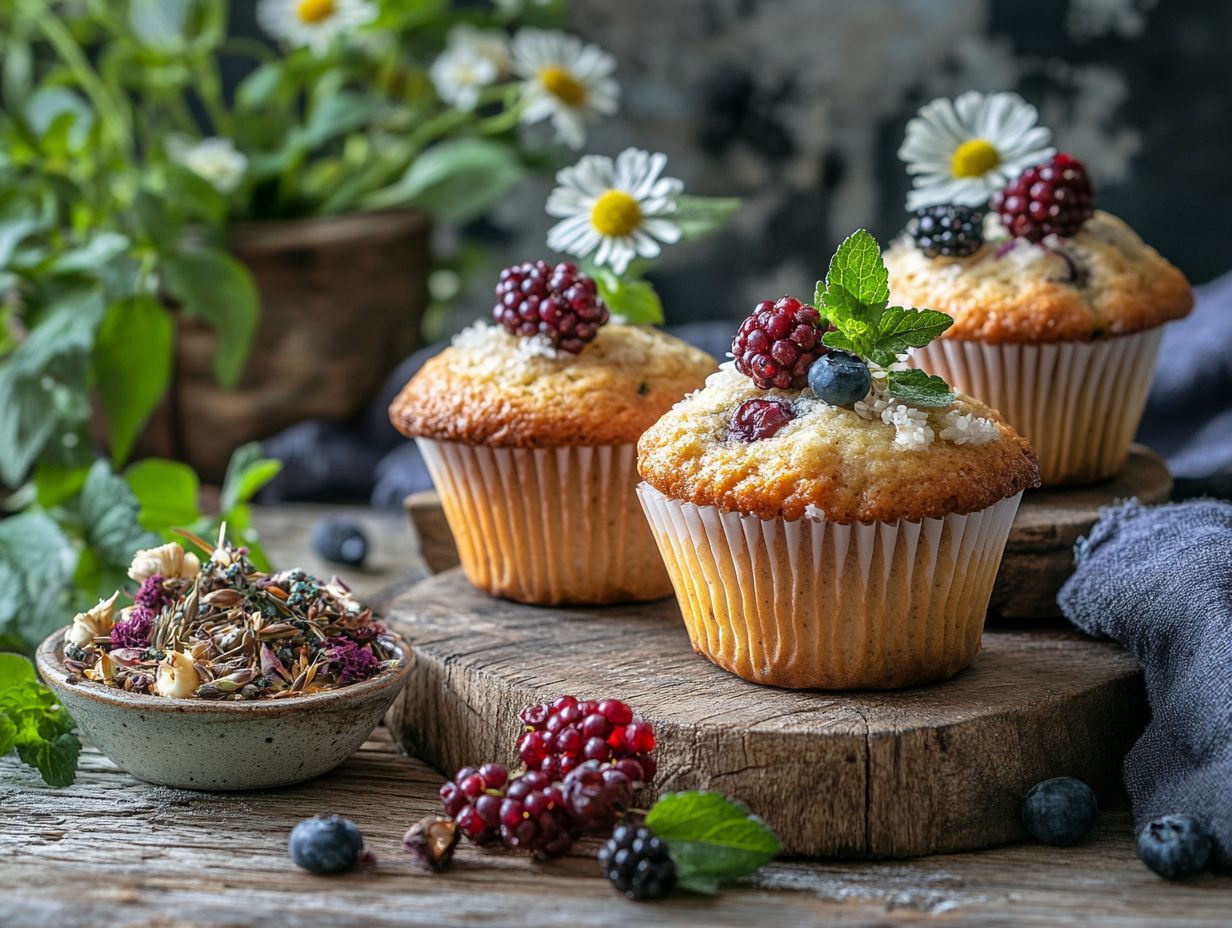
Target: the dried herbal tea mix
(225, 630)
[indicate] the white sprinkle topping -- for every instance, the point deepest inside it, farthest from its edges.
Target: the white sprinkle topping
(537, 346)
(967, 429)
(911, 429)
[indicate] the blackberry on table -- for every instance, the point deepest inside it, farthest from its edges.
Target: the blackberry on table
(637, 863)
(947, 231)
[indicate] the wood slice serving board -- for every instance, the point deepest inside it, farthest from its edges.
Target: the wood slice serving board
(905, 773)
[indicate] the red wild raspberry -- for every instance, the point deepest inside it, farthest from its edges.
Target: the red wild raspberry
(473, 800)
(597, 796)
(1053, 198)
(554, 301)
(565, 734)
(534, 816)
(756, 419)
(777, 344)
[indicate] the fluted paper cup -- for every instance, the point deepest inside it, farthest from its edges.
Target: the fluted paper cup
(1079, 403)
(812, 603)
(548, 526)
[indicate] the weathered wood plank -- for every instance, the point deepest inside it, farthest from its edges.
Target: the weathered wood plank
(902, 773)
(112, 851)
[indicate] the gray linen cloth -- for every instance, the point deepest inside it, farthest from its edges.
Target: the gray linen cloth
(1159, 581)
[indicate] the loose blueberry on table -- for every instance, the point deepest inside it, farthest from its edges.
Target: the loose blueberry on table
(340, 540)
(1175, 846)
(1059, 811)
(326, 844)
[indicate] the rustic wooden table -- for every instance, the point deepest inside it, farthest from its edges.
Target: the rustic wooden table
(112, 851)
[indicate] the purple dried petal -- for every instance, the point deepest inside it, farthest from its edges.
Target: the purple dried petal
(133, 632)
(351, 662)
(152, 596)
(271, 665)
(368, 631)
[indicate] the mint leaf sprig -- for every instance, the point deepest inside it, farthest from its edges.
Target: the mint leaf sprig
(854, 299)
(711, 838)
(32, 722)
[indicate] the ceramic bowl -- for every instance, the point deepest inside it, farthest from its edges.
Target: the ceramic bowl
(198, 744)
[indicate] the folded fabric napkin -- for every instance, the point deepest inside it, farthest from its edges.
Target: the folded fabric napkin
(1159, 581)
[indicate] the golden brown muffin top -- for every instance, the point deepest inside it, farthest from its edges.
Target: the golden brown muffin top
(1103, 281)
(867, 464)
(493, 388)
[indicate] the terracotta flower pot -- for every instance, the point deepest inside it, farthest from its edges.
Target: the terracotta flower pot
(341, 303)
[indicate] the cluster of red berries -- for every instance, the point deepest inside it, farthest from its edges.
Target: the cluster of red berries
(570, 787)
(778, 343)
(1053, 198)
(554, 301)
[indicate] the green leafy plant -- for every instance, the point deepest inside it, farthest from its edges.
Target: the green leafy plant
(711, 838)
(854, 299)
(34, 724)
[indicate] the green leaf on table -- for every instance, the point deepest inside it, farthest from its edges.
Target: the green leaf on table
(699, 216)
(132, 367)
(166, 493)
(33, 723)
(711, 838)
(919, 389)
(456, 180)
(36, 563)
(634, 299)
(212, 285)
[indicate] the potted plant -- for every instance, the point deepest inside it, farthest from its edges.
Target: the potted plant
(286, 225)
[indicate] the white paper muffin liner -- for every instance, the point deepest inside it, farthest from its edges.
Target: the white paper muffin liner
(1079, 403)
(819, 604)
(548, 526)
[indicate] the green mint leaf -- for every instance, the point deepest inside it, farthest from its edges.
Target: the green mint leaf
(33, 723)
(919, 389)
(626, 296)
(699, 216)
(711, 838)
(247, 472)
(55, 759)
(840, 341)
(133, 350)
(36, 565)
(899, 329)
(109, 516)
(857, 268)
(212, 285)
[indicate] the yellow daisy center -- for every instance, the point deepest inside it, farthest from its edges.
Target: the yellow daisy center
(974, 158)
(314, 11)
(615, 214)
(562, 85)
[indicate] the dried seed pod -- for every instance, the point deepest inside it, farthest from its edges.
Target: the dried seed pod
(223, 598)
(431, 841)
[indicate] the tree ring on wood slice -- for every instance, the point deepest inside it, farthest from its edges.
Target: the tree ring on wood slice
(887, 774)
(1039, 555)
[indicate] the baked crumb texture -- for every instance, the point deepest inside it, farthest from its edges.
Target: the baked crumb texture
(1103, 281)
(492, 388)
(879, 462)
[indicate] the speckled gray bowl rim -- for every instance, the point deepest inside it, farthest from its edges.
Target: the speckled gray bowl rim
(49, 659)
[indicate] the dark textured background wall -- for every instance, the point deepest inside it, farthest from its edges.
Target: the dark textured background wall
(799, 106)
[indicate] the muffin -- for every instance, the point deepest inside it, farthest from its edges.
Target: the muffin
(532, 450)
(820, 530)
(1057, 325)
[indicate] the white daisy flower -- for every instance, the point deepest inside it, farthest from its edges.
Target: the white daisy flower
(963, 151)
(216, 160)
(565, 81)
(312, 23)
(614, 210)
(491, 44)
(459, 75)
